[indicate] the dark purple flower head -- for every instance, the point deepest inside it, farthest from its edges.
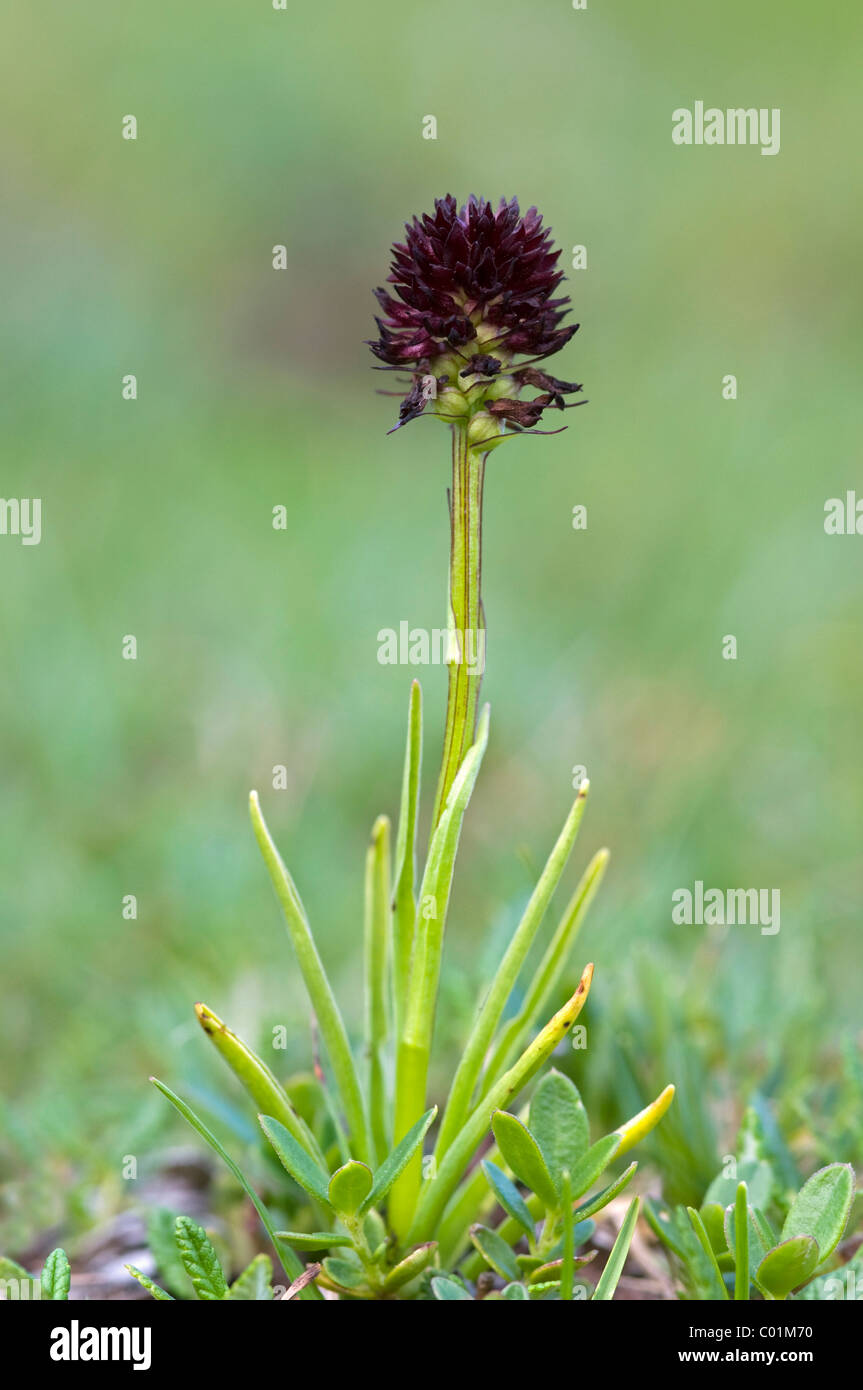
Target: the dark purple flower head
(460, 271)
(474, 288)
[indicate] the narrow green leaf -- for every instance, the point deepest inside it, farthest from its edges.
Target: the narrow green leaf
(398, 1160)
(606, 1195)
(56, 1275)
(610, 1276)
(377, 938)
(292, 1265)
(411, 1266)
(200, 1260)
(594, 1164)
(700, 1272)
(495, 1251)
(787, 1265)
(437, 1192)
(314, 1240)
(525, 1158)
(711, 1268)
(549, 973)
(741, 1245)
(822, 1206)
(296, 1161)
(664, 1226)
(349, 1187)
(415, 1043)
(255, 1284)
(458, 1104)
(510, 1198)
(268, 1096)
(449, 1291)
(320, 992)
(161, 1295)
(404, 898)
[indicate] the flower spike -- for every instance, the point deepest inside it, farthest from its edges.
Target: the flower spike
(473, 289)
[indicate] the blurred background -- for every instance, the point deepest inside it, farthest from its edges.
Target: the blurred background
(258, 647)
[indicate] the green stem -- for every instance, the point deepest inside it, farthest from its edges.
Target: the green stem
(466, 619)
(404, 906)
(355, 1226)
(378, 931)
(567, 1273)
(414, 1049)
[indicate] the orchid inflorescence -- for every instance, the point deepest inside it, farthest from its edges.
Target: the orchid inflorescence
(474, 292)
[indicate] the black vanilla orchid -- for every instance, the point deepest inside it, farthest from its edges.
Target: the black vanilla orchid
(478, 309)
(475, 305)
(474, 290)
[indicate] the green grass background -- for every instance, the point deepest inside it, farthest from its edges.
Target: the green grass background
(258, 647)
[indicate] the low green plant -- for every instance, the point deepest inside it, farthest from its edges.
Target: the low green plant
(753, 1238)
(349, 1163)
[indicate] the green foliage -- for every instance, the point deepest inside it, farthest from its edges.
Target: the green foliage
(843, 1284)
(735, 1247)
(559, 1121)
(254, 1285)
(52, 1284)
(495, 1252)
(610, 1276)
(449, 1290)
(290, 1261)
(552, 1157)
(349, 1187)
(186, 1251)
(161, 1295)
(357, 1158)
(55, 1276)
(200, 1260)
(509, 1197)
(822, 1207)
(525, 1157)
